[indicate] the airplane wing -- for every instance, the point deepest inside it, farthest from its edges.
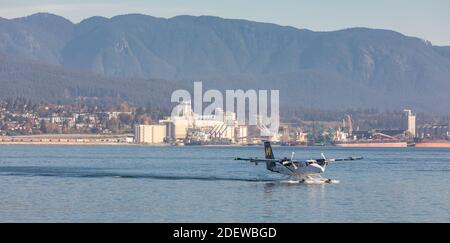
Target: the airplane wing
(346, 159)
(325, 161)
(256, 160)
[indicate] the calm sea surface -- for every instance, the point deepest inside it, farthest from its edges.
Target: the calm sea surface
(205, 184)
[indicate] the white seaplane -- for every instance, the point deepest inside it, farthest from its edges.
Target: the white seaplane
(307, 172)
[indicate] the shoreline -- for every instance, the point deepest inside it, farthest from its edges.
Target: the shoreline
(124, 140)
(203, 146)
(67, 144)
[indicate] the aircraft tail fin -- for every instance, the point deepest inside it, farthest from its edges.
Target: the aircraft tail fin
(268, 150)
(269, 155)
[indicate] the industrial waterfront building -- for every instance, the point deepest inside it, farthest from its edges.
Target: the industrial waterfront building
(186, 127)
(409, 123)
(150, 134)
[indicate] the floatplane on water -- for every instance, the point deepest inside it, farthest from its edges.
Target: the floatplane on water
(307, 171)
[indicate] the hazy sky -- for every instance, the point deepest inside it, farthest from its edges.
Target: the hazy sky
(427, 19)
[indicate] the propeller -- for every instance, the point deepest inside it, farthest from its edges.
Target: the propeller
(292, 159)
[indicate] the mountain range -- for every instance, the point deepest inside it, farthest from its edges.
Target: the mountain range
(45, 82)
(350, 68)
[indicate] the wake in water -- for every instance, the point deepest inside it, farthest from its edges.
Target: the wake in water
(309, 182)
(63, 172)
(88, 173)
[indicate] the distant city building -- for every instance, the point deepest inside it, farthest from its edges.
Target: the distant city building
(242, 134)
(116, 114)
(222, 127)
(433, 131)
(409, 123)
(301, 138)
(341, 136)
(150, 134)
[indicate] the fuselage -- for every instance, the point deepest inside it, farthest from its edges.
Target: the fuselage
(290, 167)
(296, 168)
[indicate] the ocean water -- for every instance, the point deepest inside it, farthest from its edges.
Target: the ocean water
(205, 184)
